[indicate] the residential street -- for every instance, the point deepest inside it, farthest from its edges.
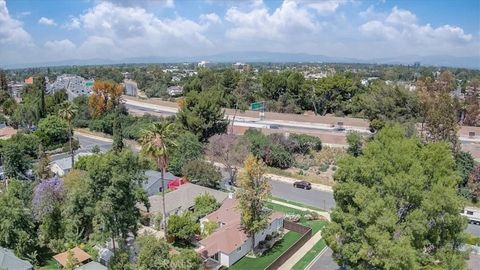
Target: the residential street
(317, 198)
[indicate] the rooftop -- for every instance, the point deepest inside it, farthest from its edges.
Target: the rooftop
(78, 253)
(182, 198)
(230, 235)
(9, 261)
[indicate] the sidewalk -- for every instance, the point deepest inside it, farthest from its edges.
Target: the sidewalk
(301, 252)
(323, 213)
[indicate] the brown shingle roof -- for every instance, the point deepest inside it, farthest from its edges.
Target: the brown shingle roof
(230, 235)
(81, 256)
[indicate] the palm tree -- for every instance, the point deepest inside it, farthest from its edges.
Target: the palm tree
(68, 111)
(157, 143)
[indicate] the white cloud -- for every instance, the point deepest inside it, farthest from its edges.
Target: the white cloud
(401, 17)
(326, 6)
(11, 30)
(128, 31)
(285, 22)
(47, 21)
(400, 33)
(210, 18)
(73, 23)
(60, 45)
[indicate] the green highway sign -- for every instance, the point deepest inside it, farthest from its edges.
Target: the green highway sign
(256, 106)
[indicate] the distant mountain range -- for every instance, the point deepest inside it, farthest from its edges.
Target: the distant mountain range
(271, 57)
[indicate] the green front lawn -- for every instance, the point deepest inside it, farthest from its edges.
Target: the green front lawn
(268, 257)
(316, 225)
(309, 256)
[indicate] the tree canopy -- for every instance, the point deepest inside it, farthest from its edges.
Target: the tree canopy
(397, 206)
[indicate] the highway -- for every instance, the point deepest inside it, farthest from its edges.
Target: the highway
(328, 133)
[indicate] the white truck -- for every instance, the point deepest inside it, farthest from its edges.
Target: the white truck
(472, 213)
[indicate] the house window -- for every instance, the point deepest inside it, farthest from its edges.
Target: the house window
(469, 213)
(215, 257)
(239, 248)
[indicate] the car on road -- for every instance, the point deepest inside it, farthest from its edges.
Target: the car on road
(302, 185)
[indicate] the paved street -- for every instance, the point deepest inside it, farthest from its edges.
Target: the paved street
(325, 262)
(473, 229)
(86, 145)
(317, 198)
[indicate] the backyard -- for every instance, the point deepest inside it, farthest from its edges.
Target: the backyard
(268, 257)
(288, 240)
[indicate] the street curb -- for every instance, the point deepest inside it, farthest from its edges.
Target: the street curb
(309, 266)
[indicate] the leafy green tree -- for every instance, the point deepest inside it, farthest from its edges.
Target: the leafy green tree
(67, 112)
(17, 225)
(397, 206)
(153, 253)
(120, 261)
(53, 131)
(355, 143)
(188, 148)
(158, 143)
(15, 161)
(204, 205)
(78, 207)
(474, 183)
(209, 227)
(117, 145)
(202, 114)
(333, 93)
(183, 227)
(252, 195)
(386, 103)
(202, 173)
(42, 168)
(41, 86)
(465, 166)
(187, 259)
(116, 189)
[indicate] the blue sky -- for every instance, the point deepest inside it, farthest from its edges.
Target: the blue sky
(51, 30)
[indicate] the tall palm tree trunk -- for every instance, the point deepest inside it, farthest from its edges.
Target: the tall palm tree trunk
(71, 147)
(164, 212)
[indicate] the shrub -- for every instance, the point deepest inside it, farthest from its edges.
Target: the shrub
(308, 217)
(323, 167)
(268, 237)
(66, 146)
(279, 157)
(292, 217)
(268, 246)
(303, 143)
(157, 221)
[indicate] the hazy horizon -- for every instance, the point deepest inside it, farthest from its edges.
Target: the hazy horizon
(46, 32)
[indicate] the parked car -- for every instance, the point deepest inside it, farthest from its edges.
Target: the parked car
(302, 185)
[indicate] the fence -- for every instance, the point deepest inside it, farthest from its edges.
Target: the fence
(306, 235)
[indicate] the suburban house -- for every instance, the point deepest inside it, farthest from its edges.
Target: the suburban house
(181, 199)
(153, 184)
(175, 90)
(229, 243)
(81, 256)
(62, 166)
(8, 261)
